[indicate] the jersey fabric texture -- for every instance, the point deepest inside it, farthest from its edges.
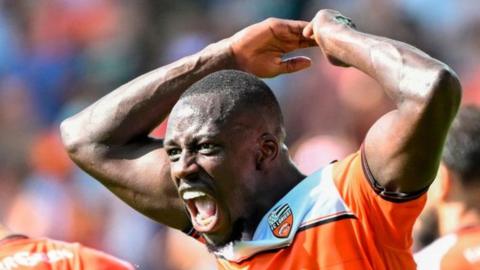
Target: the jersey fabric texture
(23, 253)
(459, 251)
(337, 218)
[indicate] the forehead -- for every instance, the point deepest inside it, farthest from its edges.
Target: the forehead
(202, 104)
(199, 115)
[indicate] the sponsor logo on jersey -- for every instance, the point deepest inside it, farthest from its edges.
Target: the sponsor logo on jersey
(281, 221)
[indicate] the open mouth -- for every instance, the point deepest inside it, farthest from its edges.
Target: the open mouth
(203, 210)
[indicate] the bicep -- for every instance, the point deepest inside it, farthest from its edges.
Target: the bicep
(139, 174)
(403, 147)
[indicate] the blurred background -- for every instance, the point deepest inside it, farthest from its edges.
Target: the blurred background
(58, 56)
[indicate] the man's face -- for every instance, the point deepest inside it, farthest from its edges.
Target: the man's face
(212, 159)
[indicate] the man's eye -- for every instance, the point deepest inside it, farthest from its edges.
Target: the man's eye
(173, 153)
(206, 148)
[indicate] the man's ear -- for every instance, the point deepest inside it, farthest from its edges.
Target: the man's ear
(267, 151)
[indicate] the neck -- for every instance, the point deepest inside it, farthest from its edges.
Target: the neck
(275, 187)
(289, 176)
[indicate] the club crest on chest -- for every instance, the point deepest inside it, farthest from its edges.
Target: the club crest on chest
(280, 221)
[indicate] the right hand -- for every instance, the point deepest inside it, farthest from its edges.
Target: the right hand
(259, 48)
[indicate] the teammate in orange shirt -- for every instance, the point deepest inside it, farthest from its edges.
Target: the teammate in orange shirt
(455, 199)
(20, 252)
(223, 173)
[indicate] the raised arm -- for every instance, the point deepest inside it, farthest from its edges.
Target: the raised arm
(110, 141)
(403, 147)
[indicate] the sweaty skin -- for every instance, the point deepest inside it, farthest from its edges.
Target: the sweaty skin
(109, 139)
(404, 146)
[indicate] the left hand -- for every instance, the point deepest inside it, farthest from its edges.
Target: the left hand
(325, 26)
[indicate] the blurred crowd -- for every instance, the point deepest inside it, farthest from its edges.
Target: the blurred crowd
(58, 56)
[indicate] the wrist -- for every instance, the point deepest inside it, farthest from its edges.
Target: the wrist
(338, 44)
(218, 56)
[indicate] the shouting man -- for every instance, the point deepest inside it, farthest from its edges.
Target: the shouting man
(223, 173)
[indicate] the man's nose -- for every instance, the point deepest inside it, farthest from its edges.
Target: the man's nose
(186, 166)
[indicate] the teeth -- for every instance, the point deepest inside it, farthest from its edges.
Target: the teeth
(188, 195)
(203, 221)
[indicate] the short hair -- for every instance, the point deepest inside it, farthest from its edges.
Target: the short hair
(462, 149)
(240, 90)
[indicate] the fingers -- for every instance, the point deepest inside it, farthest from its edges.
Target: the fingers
(308, 31)
(295, 31)
(309, 42)
(290, 31)
(295, 26)
(295, 64)
(309, 36)
(336, 62)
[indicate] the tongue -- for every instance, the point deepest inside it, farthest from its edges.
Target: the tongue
(206, 206)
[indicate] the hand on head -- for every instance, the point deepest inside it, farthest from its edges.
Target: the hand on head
(259, 48)
(327, 22)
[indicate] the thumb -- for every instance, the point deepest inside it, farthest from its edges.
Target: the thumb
(295, 64)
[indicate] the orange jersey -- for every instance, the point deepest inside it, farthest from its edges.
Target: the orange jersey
(22, 253)
(459, 251)
(335, 219)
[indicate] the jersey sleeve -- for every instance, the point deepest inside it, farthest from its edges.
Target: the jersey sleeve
(93, 259)
(386, 217)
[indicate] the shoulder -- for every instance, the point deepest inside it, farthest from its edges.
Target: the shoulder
(354, 173)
